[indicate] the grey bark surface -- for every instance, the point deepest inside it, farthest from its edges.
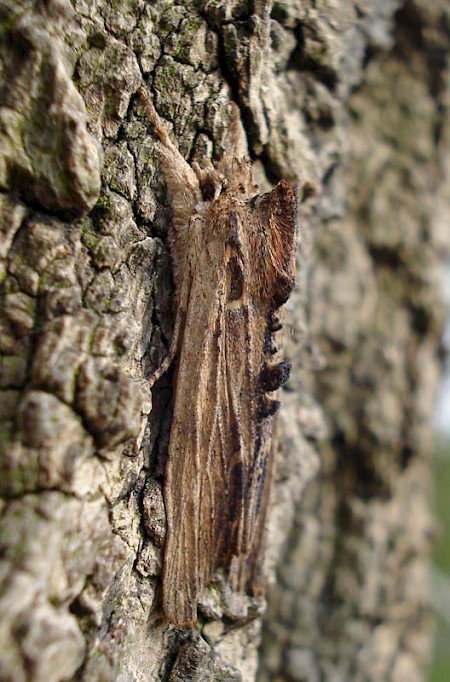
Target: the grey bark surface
(350, 97)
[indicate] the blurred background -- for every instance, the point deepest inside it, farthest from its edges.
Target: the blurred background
(441, 568)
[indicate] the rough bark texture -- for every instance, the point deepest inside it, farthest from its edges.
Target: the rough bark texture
(351, 97)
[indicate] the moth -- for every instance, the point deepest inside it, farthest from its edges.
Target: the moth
(233, 256)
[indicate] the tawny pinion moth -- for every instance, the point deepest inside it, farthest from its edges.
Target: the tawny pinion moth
(233, 254)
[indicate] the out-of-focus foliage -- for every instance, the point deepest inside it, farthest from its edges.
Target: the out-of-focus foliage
(441, 668)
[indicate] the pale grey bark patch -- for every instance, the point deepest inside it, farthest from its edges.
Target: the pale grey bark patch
(47, 155)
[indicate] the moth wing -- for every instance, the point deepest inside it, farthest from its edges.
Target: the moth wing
(210, 498)
(194, 463)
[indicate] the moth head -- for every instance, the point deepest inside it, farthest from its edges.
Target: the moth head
(238, 178)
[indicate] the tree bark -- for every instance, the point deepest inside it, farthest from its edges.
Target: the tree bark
(351, 99)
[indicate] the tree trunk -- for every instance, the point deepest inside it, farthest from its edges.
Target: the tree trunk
(351, 99)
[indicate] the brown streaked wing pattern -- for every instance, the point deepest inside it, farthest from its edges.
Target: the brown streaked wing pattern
(233, 262)
(192, 423)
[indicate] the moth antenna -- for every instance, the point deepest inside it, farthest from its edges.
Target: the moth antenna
(157, 123)
(238, 140)
(197, 169)
(154, 118)
(182, 183)
(208, 164)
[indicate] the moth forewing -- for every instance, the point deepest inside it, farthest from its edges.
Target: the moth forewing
(233, 261)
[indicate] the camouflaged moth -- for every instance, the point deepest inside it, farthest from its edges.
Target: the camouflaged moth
(233, 255)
